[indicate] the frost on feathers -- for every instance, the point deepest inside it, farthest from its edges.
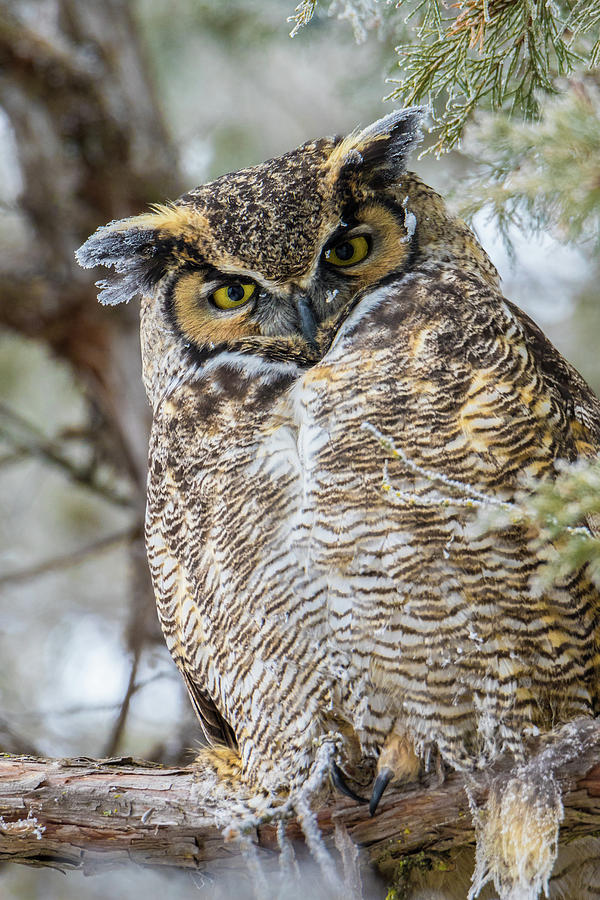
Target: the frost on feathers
(353, 158)
(410, 222)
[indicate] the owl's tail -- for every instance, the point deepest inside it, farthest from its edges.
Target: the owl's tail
(517, 834)
(517, 826)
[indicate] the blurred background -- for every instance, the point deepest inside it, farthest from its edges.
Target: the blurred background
(105, 108)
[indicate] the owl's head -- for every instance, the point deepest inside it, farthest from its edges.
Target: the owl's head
(266, 260)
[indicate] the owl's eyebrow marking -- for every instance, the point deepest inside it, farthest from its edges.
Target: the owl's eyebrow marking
(344, 231)
(208, 271)
(212, 275)
(166, 245)
(336, 237)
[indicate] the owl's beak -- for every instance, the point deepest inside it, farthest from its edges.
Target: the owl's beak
(308, 322)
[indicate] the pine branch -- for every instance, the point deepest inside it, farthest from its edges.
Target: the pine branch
(494, 53)
(479, 54)
(540, 175)
(361, 14)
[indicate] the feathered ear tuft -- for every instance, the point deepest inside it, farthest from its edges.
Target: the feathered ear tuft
(132, 248)
(379, 152)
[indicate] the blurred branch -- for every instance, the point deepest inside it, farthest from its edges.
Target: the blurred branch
(119, 725)
(89, 91)
(87, 814)
(73, 558)
(92, 147)
(84, 708)
(12, 457)
(11, 741)
(34, 443)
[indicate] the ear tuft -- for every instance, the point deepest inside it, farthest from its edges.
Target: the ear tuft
(395, 133)
(380, 150)
(130, 249)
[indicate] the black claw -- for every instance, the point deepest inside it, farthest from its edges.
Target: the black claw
(381, 782)
(340, 783)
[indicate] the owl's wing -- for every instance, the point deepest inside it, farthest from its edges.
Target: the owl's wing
(585, 427)
(174, 603)
(215, 728)
(170, 539)
(583, 406)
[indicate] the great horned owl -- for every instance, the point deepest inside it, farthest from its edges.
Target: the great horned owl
(284, 308)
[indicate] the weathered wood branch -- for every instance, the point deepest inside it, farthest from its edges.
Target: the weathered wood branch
(88, 814)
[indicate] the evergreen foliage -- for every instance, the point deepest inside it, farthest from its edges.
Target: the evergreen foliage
(362, 15)
(500, 54)
(543, 174)
(473, 54)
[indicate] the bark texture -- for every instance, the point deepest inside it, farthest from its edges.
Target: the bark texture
(89, 814)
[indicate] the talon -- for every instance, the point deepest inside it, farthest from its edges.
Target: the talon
(340, 783)
(381, 782)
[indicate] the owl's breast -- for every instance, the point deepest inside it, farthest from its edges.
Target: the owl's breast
(227, 494)
(429, 400)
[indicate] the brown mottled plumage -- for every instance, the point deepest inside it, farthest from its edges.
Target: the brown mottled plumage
(284, 307)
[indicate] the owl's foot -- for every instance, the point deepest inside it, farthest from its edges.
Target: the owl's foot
(382, 779)
(339, 782)
(397, 762)
(225, 763)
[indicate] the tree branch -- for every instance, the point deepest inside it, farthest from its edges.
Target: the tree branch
(64, 561)
(89, 814)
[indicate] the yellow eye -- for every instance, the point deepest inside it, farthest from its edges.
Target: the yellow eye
(230, 296)
(348, 252)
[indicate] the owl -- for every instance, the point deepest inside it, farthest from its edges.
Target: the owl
(331, 365)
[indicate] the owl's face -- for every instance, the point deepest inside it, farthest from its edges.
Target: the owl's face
(269, 259)
(297, 289)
